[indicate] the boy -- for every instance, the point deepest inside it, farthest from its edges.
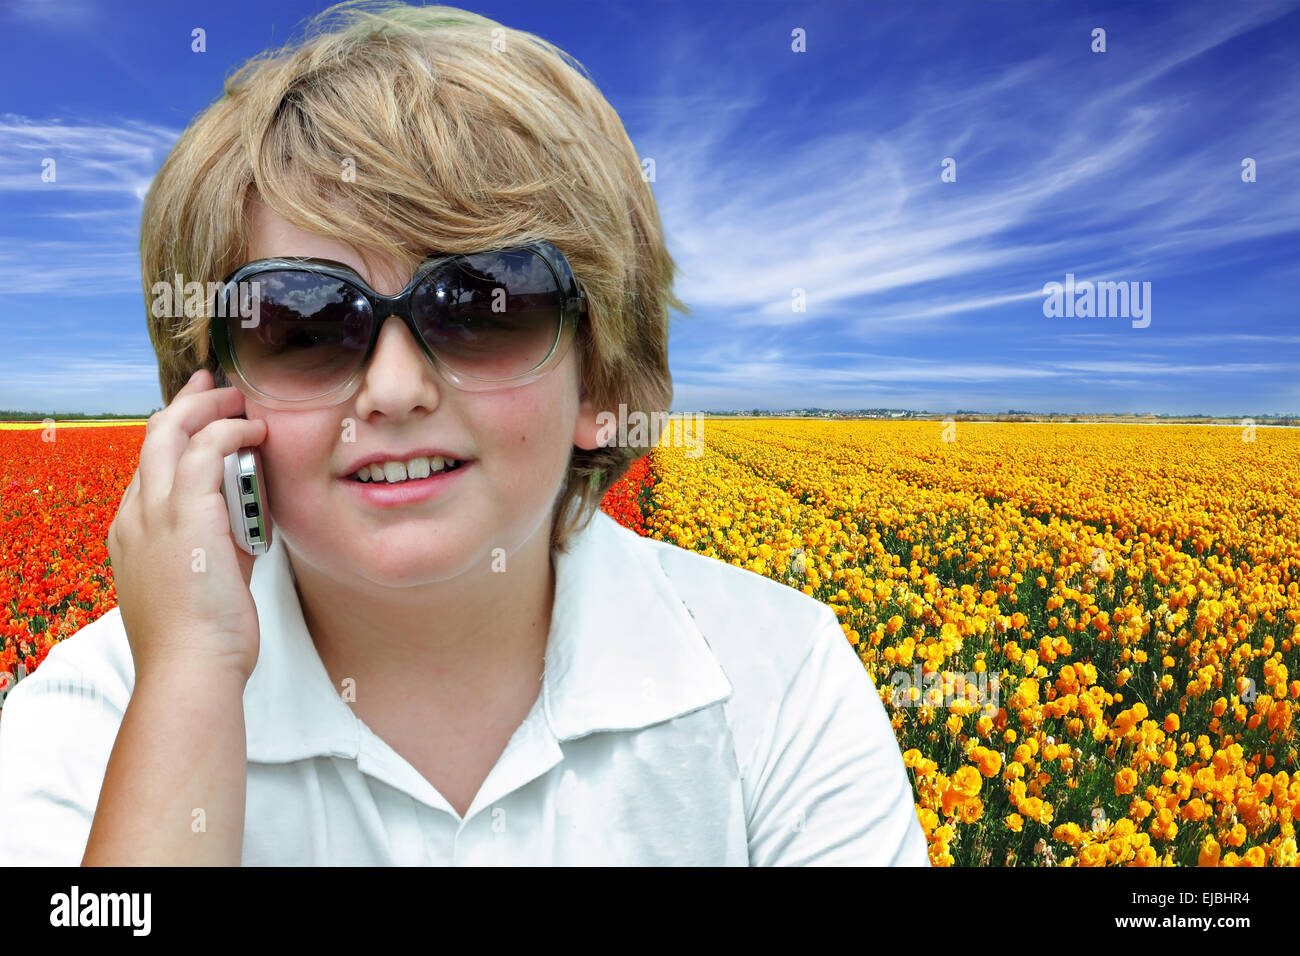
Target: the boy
(448, 655)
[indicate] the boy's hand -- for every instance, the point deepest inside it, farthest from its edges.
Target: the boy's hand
(182, 583)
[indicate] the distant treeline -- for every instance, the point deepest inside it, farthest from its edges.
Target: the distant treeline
(967, 415)
(12, 415)
(1102, 419)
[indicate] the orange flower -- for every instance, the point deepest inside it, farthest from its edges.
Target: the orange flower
(1125, 781)
(989, 761)
(966, 781)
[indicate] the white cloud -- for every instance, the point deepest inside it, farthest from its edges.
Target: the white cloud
(54, 13)
(89, 156)
(856, 213)
(80, 234)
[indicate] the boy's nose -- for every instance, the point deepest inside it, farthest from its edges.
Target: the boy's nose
(399, 361)
(395, 336)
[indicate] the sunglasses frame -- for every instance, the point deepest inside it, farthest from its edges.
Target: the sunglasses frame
(573, 306)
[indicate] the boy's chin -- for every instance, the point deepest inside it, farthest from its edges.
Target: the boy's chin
(415, 563)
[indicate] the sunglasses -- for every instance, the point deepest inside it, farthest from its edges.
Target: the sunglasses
(299, 332)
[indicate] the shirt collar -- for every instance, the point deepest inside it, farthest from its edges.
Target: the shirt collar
(623, 652)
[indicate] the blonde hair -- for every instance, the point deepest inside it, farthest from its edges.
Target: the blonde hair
(464, 135)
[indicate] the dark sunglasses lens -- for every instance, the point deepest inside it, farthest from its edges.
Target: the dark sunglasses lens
(305, 334)
(490, 315)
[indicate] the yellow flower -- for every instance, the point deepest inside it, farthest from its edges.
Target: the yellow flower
(1093, 855)
(966, 781)
(971, 810)
(1255, 856)
(1125, 781)
(989, 761)
(1068, 833)
(1209, 855)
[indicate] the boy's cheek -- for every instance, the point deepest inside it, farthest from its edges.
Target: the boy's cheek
(293, 448)
(529, 426)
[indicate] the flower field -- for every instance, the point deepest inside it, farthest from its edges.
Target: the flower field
(1111, 614)
(57, 500)
(1085, 635)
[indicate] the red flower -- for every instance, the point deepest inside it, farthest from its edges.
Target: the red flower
(623, 500)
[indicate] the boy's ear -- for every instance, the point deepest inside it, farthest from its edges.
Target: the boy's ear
(587, 430)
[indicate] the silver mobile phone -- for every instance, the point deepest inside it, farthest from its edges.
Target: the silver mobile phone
(250, 518)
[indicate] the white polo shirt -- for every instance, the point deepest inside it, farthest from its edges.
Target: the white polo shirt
(691, 713)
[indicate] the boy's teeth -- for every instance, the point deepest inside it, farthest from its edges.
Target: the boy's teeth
(394, 471)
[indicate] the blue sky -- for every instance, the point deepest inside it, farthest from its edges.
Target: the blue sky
(774, 171)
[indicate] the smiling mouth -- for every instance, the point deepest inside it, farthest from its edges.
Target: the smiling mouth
(396, 472)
